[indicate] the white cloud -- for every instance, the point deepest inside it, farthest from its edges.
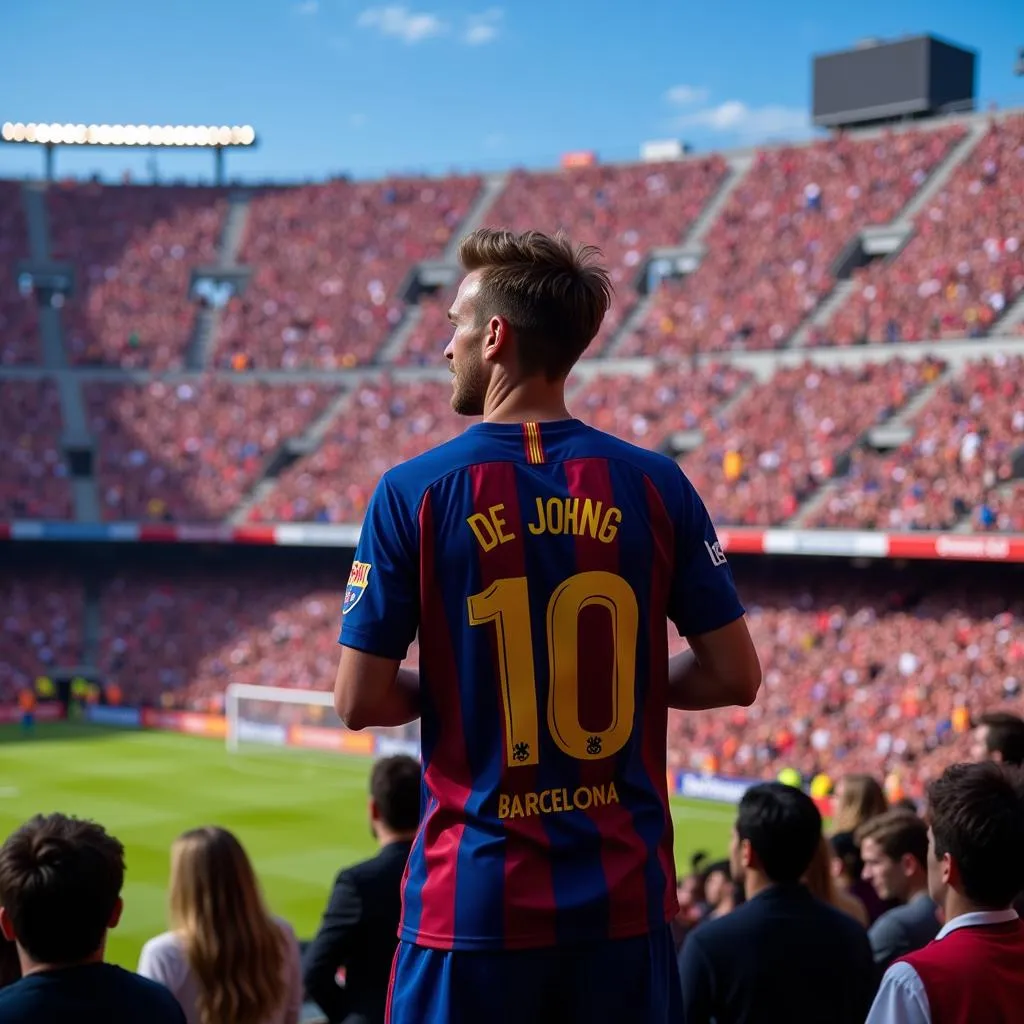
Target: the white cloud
(685, 95)
(308, 7)
(750, 124)
(398, 21)
(483, 27)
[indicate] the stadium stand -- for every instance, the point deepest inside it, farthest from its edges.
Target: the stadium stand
(771, 250)
(384, 423)
(41, 613)
(19, 342)
(190, 450)
(33, 483)
(861, 677)
(782, 440)
(133, 248)
(328, 264)
(626, 210)
(964, 441)
(964, 266)
(646, 409)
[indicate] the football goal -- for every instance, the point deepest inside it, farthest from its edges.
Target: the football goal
(280, 717)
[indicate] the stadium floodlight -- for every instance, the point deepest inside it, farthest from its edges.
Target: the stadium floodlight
(179, 136)
(215, 137)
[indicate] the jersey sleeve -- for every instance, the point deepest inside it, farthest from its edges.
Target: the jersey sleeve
(703, 595)
(380, 612)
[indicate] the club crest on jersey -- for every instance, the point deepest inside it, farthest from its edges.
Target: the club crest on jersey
(357, 580)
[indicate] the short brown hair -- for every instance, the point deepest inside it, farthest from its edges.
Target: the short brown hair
(60, 879)
(553, 294)
(395, 788)
(976, 813)
(897, 832)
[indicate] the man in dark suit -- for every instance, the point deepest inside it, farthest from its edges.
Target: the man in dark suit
(359, 930)
(782, 955)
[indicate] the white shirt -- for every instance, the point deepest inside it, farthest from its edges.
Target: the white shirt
(163, 959)
(901, 997)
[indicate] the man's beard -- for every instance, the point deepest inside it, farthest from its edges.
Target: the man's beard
(470, 390)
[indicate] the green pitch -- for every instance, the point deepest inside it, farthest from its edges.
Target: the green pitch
(301, 816)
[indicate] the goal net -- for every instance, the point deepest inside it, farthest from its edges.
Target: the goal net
(267, 717)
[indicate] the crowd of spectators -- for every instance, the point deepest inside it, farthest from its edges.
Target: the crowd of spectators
(19, 342)
(625, 210)
(647, 409)
(384, 423)
(965, 264)
(328, 263)
(179, 641)
(770, 252)
(133, 249)
(961, 455)
(783, 438)
(34, 480)
(880, 678)
(190, 450)
(41, 616)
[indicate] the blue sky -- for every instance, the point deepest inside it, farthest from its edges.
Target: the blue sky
(370, 86)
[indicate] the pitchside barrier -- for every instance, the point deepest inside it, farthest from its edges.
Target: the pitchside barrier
(691, 785)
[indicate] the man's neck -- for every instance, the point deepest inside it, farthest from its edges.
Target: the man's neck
(30, 966)
(956, 905)
(918, 888)
(755, 882)
(530, 401)
(385, 837)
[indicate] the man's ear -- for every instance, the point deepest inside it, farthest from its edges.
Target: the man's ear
(6, 925)
(115, 916)
(497, 337)
(747, 856)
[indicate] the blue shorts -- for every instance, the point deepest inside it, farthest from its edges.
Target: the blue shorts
(27, 719)
(621, 981)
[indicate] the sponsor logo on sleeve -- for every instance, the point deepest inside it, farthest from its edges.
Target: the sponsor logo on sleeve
(357, 580)
(716, 552)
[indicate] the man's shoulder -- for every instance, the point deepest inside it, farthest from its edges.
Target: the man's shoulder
(656, 465)
(389, 860)
(31, 998)
(415, 476)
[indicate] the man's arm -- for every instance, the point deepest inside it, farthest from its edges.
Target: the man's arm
(901, 998)
(338, 934)
(695, 978)
(888, 940)
(720, 669)
(371, 690)
(380, 616)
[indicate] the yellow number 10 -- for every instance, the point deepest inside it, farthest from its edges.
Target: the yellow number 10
(506, 603)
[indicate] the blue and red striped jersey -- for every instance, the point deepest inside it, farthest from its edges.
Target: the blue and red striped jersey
(538, 563)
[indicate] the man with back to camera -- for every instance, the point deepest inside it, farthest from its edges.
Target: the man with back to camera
(539, 560)
(973, 972)
(360, 925)
(894, 849)
(60, 891)
(782, 955)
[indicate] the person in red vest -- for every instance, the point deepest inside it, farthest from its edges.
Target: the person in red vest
(973, 972)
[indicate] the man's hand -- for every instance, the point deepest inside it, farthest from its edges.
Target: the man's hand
(721, 669)
(370, 690)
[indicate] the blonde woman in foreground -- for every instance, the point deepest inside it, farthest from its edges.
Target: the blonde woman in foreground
(226, 959)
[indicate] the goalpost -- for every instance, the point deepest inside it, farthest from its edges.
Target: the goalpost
(281, 717)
